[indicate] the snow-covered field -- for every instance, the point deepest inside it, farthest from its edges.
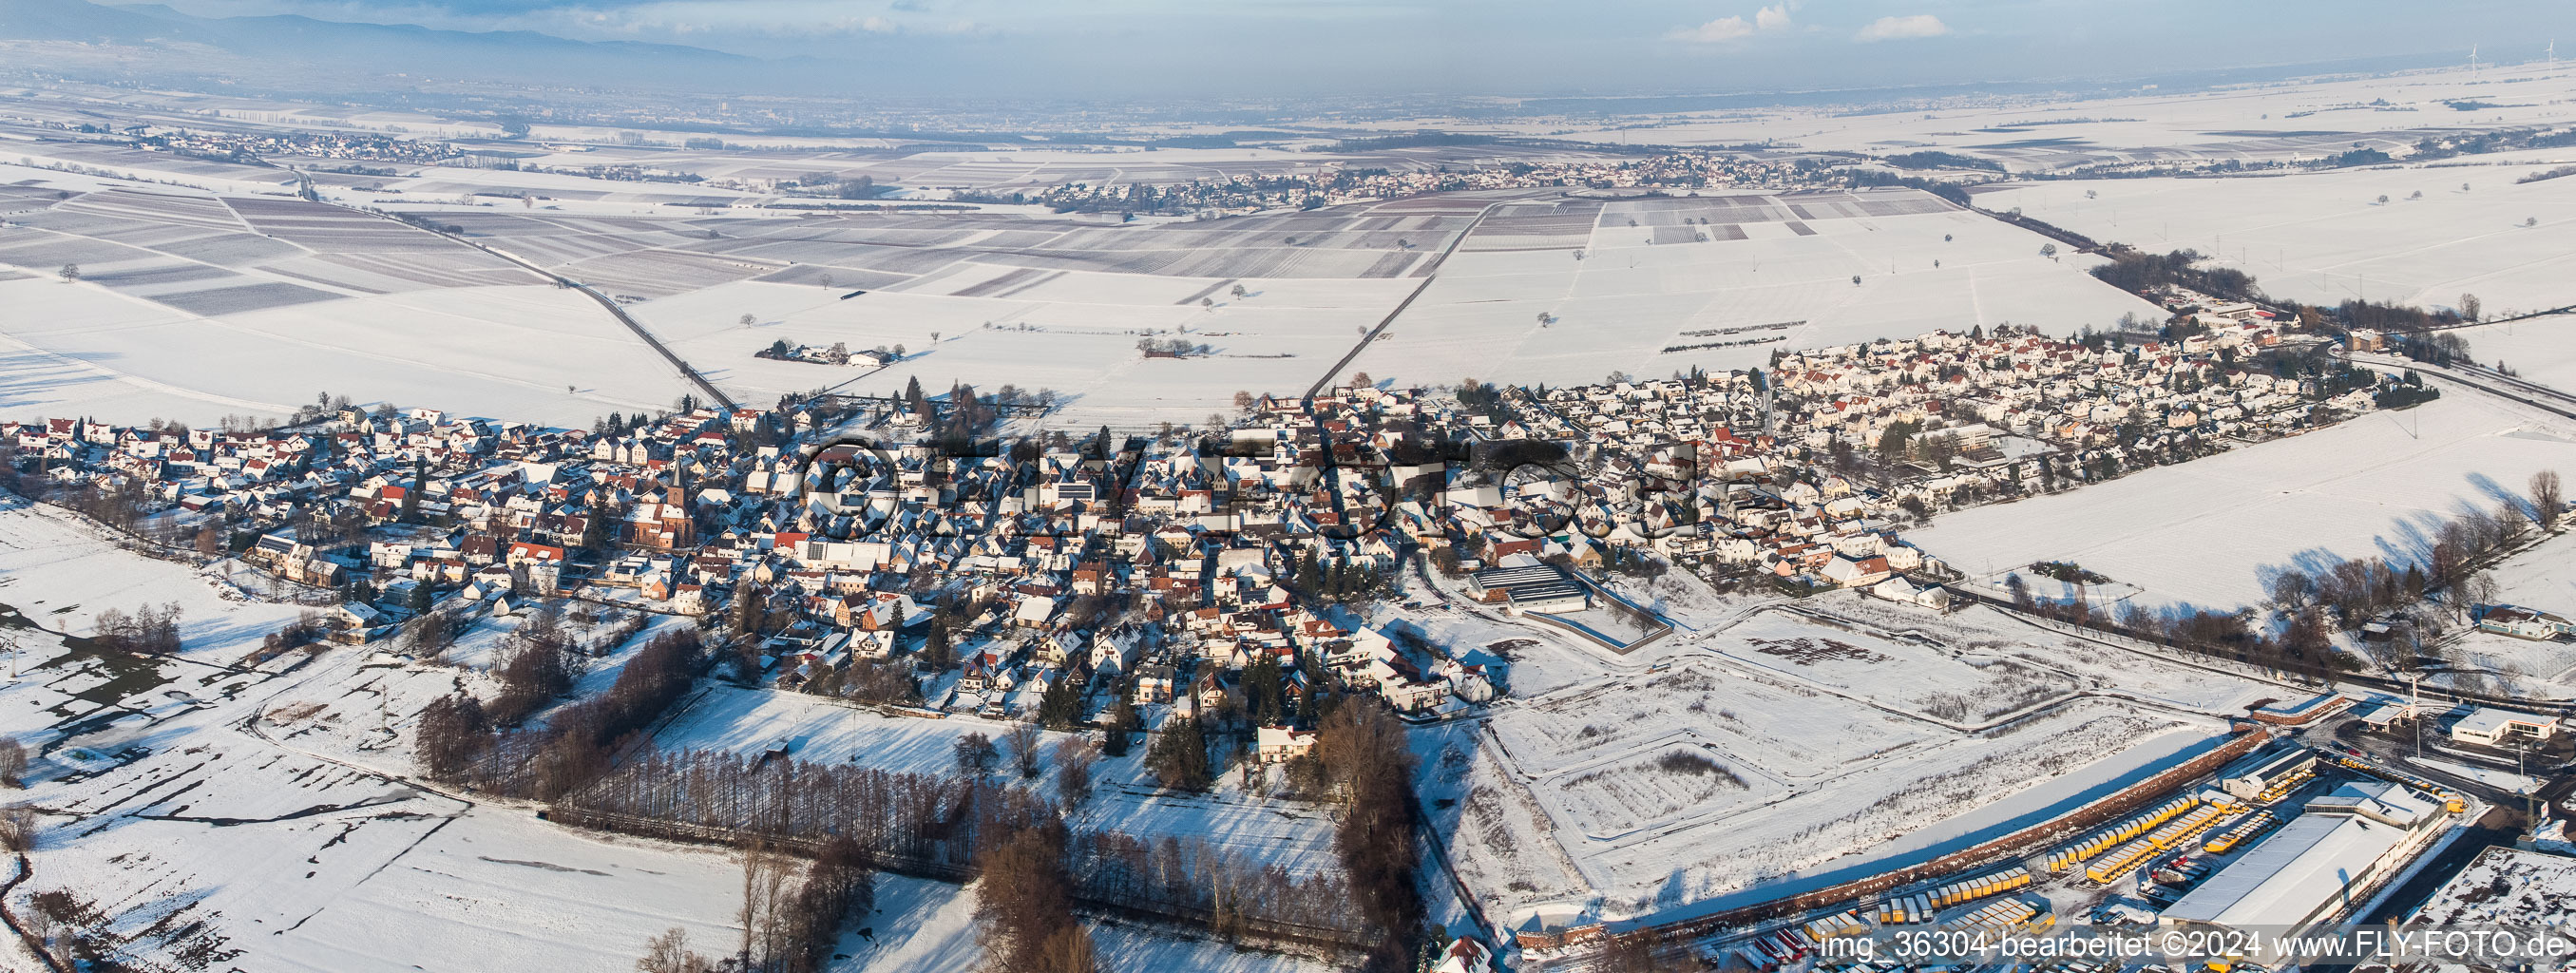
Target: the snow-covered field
(193, 307)
(1923, 266)
(1947, 687)
(1781, 751)
(1075, 334)
(55, 571)
(2541, 350)
(2324, 237)
(2212, 532)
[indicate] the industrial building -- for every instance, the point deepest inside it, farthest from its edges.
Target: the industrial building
(2319, 865)
(2268, 772)
(2503, 728)
(1543, 588)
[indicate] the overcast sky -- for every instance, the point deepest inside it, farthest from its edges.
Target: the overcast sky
(1504, 47)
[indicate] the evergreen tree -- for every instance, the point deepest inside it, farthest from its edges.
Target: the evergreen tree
(1179, 756)
(937, 654)
(411, 495)
(1264, 691)
(1061, 707)
(1122, 721)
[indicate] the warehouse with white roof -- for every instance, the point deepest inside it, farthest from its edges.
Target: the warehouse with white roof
(2321, 864)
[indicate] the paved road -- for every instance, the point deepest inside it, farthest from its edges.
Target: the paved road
(615, 310)
(1429, 272)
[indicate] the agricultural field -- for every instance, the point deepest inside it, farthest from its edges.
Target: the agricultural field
(2212, 533)
(2541, 350)
(1773, 273)
(1075, 333)
(193, 307)
(2324, 237)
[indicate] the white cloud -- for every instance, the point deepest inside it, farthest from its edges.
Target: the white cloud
(1901, 28)
(1721, 29)
(1772, 18)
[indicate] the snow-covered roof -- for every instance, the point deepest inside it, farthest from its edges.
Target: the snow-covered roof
(2283, 880)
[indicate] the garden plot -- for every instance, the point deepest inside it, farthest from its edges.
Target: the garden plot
(1498, 838)
(2212, 532)
(1954, 687)
(2100, 668)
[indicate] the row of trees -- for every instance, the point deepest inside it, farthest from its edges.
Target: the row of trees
(2357, 589)
(951, 826)
(455, 741)
(790, 917)
(2340, 594)
(151, 629)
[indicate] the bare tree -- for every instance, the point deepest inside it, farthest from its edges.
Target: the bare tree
(670, 953)
(2470, 306)
(13, 762)
(975, 754)
(1074, 757)
(765, 899)
(1070, 951)
(69, 273)
(1023, 742)
(2291, 589)
(2480, 588)
(1238, 288)
(2546, 499)
(747, 320)
(17, 828)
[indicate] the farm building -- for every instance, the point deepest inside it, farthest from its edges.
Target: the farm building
(2319, 864)
(2521, 623)
(2503, 728)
